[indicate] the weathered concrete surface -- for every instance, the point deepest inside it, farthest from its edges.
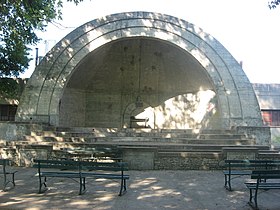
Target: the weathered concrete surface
(261, 134)
(143, 149)
(94, 76)
(160, 190)
(275, 137)
(15, 131)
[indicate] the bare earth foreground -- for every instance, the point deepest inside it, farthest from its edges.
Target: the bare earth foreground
(146, 190)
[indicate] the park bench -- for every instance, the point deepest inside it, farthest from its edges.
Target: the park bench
(7, 173)
(79, 171)
(237, 168)
(137, 120)
(98, 153)
(259, 184)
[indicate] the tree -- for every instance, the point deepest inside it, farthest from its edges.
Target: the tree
(19, 21)
(273, 4)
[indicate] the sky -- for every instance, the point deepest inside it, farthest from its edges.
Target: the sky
(248, 29)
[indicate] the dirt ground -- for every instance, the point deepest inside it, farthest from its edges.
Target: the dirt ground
(146, 190)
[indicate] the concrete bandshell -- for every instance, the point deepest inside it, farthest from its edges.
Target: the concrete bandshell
(42, 96)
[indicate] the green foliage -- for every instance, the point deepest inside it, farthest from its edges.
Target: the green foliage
(11, 89)
(19, 20)
(276, 140)
(273, 4)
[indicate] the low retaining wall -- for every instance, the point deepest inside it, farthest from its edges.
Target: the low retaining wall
(187, 161)
(22, 155)
(16, 131)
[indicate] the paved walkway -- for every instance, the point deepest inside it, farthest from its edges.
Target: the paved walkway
(147, 190)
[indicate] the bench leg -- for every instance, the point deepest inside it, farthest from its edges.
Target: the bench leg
(254, 204)
(256, 198)
(227, 182)
(251, 195)
(7, 180)
(41, 184)
(123, 187)
(82, 185)
(13, 179)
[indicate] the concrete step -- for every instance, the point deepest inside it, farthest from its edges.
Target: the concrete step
(62, 134)
(157, 140)
(160, 144)
(188, 147)
(269, 155)
(192, 154)
(103, 132)
(134, 134)
(144, 140)
(270, 151)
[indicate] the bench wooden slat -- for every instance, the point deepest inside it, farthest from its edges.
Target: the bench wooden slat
(61, 167)
(274, 174)
(237, 172)
(61, 174)
(263, 185)
(61, 162)
(103, 175)
(97, 168)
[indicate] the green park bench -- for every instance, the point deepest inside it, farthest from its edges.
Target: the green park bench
(134, 120)
(259, 184)
(79, 171)
(7, 173)
(237, 168)
(98, 153)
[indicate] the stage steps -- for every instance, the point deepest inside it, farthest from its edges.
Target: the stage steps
(179, 148)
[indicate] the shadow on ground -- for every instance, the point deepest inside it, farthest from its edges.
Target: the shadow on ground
(146, 190)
